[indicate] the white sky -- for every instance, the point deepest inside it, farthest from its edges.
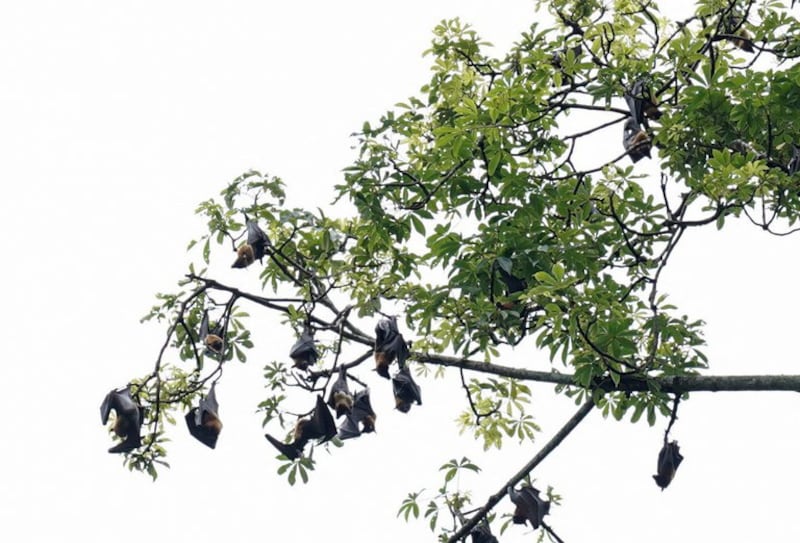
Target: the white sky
(116, 121)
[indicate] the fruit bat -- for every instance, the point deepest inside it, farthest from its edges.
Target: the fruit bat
(743, 41)
(361, 414)
(636, 141)
(669, 458)
(389, 344)
(641, 104)
(482, 534)
(319, 426)
(405, 390)
(340, 399)
(304, 351)
(211, 339)
(742, 38)
(203, 421)
(794, 163)
(254, 248)
(128, 418)
(529, 506)
(512, 283)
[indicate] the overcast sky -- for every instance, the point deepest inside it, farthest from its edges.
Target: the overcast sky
(116, 121)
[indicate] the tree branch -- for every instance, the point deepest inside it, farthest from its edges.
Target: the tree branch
(549, 447)
(630, 383)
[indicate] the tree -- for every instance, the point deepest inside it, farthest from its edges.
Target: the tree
(484, 220)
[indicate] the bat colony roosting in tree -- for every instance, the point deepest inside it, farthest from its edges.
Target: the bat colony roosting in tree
(565, 256)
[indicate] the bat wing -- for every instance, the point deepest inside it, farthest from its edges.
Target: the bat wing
(257, 239)
(126, 407)
(201, 433)
(349, 428)
(400, 350)
(529, 506)
(321, 425)
(634, 107)
(105, 407)
(289, 450)
(204, 327)
(208, 404)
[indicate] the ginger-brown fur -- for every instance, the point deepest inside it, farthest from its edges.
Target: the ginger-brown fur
(244, 256)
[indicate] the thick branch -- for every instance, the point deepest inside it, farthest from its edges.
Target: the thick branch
(630, 383)
(549, 447)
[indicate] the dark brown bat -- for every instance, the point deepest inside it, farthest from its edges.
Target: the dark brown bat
(641, 105)
(340, 399)
(669, 458)
(203, 421)
(254, 248)
(389, 345)
(482, 534)
(406, 391)
(361, 418)
(512, 283)
(743, 41)
(529, 506)
(304, 352)
(320, 426)
(636, 141)
(741, 37)
(127, 421)
(211, 339)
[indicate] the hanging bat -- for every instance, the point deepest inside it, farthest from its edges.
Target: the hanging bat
(669, 458)
(529, 506)
(741, 37)
(254, 248)
(405, 390)
(340, 399)
(744, 41)
(794, 163)
(361, 414)
(641, 105)
(482, 534)
(636, 141)
(319, 426)
(304, 352)
(128, 418)
(203, 421)
(389, 344)
(512, 283)
(211, 339)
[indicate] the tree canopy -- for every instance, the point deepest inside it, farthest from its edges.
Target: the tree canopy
(484, 215)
